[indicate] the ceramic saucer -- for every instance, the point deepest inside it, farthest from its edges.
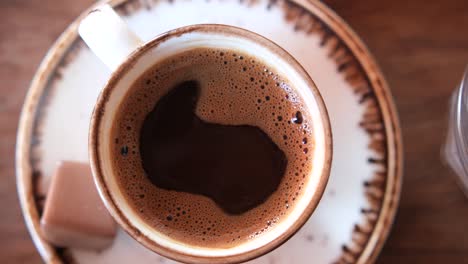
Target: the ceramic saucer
(356, 212)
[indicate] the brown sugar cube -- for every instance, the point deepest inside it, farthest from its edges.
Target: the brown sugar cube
(74, 214)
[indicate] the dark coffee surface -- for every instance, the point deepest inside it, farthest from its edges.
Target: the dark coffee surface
(212, 147)
(238, 167)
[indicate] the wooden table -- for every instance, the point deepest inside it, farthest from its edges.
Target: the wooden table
(422, 47)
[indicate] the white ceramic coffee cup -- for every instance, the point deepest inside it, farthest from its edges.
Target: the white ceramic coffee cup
(128, 58)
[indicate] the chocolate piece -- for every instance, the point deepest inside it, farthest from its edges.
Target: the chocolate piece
(74, 215)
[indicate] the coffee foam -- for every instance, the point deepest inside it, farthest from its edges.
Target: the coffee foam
(235, 89)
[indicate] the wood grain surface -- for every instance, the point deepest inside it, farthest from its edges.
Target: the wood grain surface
(422, 48)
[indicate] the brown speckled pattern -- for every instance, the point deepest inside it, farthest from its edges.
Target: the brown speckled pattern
(44, 100)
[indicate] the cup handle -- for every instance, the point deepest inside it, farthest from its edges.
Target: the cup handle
(108, 36)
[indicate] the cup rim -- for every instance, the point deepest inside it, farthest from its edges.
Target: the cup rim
(121, 217)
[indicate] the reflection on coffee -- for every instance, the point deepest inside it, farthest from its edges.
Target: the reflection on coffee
(212, 147)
